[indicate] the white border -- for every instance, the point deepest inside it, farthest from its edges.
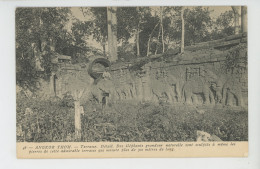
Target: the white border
(7, 94)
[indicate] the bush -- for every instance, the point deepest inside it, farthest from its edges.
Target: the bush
(46, 120)
(126, 122)
(53, 120)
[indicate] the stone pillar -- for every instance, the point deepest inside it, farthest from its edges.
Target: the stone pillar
(77, 94)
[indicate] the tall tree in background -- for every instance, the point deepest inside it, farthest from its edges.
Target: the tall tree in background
(244, 18)
(137, 32)
(112, 33)
(237, 13)
(197, 25)
(182, 30)
(130, 20)
(149, 39)
(161, 31)
(42, 31)
(80, 37)
(172, 27)
(161, 20)
(148, 36)
(96, 24)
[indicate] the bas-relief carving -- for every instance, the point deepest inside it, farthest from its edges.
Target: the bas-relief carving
(165, 86)
(232, 94)
(197, 86)
(190, 85)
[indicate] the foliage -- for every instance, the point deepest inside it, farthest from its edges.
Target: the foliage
(37, 31)
(99, 25)
(78, 33)
(147, 28)
(49, 120)
(236, 58)
(197, 25)
(223, 26)
(127, 22)
(126, 122)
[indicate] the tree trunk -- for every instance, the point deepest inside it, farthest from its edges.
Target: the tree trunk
(158, 39)
(104, 50)
(161, 18)
(244, 18)
(148, 43)
(137, 40)
(236, 10)
(104, 47)
(137, 34)
(112, 33)
(182, 30)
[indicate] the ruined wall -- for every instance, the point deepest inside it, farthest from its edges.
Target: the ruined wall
(203, 80)
(195, 79)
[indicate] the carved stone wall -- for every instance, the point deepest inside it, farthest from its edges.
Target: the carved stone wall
(201, 81)
(190, 82)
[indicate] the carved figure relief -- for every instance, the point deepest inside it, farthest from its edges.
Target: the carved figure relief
(232, 94)
(197, 87)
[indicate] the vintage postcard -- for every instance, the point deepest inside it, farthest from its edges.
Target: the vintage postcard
(105, 82)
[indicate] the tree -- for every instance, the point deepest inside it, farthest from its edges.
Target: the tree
(112, 33)
(137, 32)
(244, 18)
(197, 25)
(161, 21)
(96, 25)
(182, 30)
(236, 10)
(172, 27)
(37, 32)
(130, 24)
(127, 21)
(148, 38)
(223, 26)
(161, 31)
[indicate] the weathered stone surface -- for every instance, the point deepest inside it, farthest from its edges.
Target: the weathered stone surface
(193, 78)
(203, 136)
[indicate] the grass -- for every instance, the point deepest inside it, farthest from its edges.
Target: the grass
(53, 120)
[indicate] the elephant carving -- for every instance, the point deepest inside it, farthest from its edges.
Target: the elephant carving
(197, 87)
(232, 94)
(167, 86)
(161, 89)
(228, 92)
(174, 84)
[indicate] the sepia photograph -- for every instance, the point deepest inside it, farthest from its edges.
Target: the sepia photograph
(131, 74)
